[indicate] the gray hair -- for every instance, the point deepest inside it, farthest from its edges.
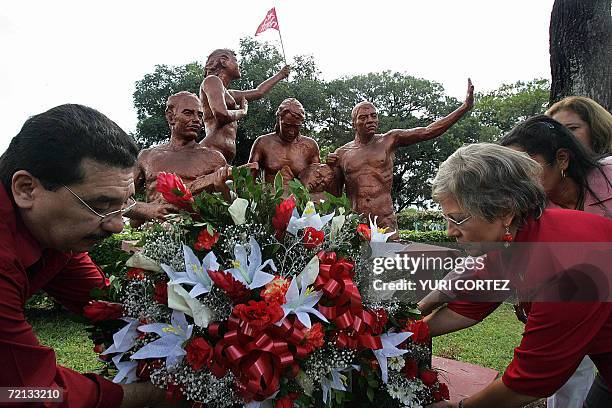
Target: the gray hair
(491, 181)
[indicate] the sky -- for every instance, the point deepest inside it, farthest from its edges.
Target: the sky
(92, 53)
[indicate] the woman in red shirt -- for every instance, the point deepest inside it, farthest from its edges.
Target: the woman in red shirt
(491, 194)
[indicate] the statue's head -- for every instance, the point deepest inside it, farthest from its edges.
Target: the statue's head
(365, 118)
(220, 60)
(289, 117)
(184, 115)
(317, 177)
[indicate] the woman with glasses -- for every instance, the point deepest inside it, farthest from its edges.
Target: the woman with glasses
(492, 194)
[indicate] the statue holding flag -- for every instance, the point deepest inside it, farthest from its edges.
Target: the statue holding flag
(224, 107)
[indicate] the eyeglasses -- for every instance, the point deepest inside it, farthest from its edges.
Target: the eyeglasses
(107, 216)
(451, 218)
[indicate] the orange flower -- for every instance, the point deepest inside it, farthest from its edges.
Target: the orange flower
(205, 240)
(275, 290)
(364, 231)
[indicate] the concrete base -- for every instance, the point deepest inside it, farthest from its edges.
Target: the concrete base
(463, 379)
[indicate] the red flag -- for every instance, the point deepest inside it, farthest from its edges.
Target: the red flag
(270, 21)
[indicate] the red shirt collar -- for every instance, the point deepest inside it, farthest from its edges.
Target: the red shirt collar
(27, 248)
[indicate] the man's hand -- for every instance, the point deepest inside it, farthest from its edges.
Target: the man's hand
(285, 71)
(469, 98)
(443, 404)
(145, 394)
(332, 159)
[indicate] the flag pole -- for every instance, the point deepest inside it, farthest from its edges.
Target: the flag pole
(282, 46)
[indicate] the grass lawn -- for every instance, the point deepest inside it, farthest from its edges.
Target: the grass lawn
(489, 343)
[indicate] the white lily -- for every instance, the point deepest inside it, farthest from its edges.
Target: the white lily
(389, 342)
(124, 339)
(378, 234)
(170, 343)
(180, 300)
(238, 210)
(337, 224)
(309, 218)
(301, 303)
(249, 269)
(126, 370)
(196, 272)
(336, 382)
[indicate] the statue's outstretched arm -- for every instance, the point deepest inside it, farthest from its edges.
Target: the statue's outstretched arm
(405, 137)
(263, 88)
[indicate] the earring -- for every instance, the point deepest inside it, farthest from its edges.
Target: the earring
(562, 173)
(507, 237)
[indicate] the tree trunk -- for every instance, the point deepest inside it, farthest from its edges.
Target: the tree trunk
(581, 50)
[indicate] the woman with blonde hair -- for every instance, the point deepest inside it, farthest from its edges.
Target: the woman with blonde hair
(587, 120)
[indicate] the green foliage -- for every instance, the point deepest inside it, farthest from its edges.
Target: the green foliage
(108, 254)
(418, 220)
(500, 110)
(425, 236)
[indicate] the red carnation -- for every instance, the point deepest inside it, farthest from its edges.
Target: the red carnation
(420, 331)
(199, 353)
(314, 337)
(161, 292)
(429, 377)
(286, 401)
(275, 290)
(411, 369)
(135, 274)
(99, 310)
(205, 240)
(174, 191)
(381, 321)
(364, 231)
(312, 237)
(259, 315)
(233, 288)
(282, 216)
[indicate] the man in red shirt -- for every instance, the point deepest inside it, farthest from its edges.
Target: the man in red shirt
(67, 179)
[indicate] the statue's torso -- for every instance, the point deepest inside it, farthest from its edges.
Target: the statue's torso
(188, 163)
(220, 137)
(296, 155)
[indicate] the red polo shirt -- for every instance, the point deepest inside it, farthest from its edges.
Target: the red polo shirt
(26, 268)
(557, 335)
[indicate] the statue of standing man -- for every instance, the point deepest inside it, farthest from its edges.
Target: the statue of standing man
(365, 165)
(224, 107)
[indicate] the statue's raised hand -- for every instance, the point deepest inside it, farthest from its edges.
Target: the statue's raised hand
(469, 99)
(285, 71)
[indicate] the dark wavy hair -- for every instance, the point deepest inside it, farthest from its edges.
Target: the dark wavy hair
(545, 136)
(52, 145)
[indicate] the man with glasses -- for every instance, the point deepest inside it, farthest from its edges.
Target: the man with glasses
(67, 179)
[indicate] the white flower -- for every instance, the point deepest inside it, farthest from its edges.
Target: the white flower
(301, 303)
(337, 224)
(309, 218)
(249, 270)
(196, 272)
(238, 210)
(378, 234)
(336, 382)
(389, 342)
(123, 340)
(180, 300)
(170, 343)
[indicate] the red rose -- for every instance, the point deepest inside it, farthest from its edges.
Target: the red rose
(381, 321)
(199, 353)
(282, 216)
(410, 369)
(233, 288)
(275, 290)
(364, 231)
(429, 377)
(314, 338)
(161, 292)
(99, 348)
(441, 393)
(99, 310)
(312, 237)
(174, 191)
(205, 240)
(286, 401)
(420, 331)
(135, 274)
(259, 315)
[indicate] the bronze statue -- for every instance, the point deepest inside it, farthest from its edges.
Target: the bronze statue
(224, 107)
(319, 178)
(285, 150)
(200, 167)
(365, 165)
